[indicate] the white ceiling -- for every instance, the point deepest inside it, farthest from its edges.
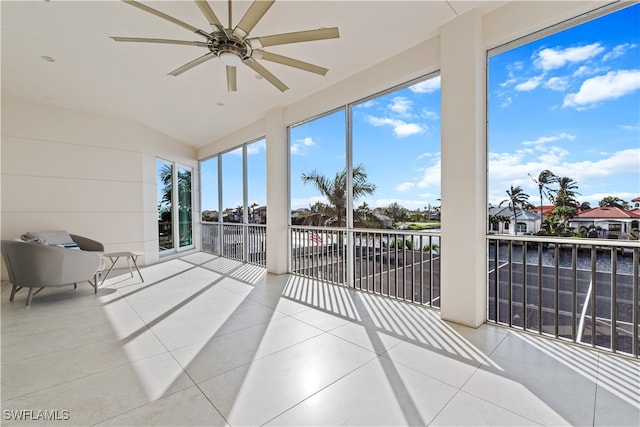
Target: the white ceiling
(93, 73)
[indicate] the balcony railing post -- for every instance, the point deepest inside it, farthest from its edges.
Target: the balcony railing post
(524, 285)
(540, 305)
(574, 292)
(576, 299)
(594, 288)
(510, 283)
(556, 289)
(614, 299)
(634, 309)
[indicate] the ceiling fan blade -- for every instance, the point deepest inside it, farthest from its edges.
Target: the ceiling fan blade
(298, 37)
(210, 15)
(232, 84)
(163, 15)
(163, 41)
(285, 60)
(258, 68)
(190, 65)
(255, 12)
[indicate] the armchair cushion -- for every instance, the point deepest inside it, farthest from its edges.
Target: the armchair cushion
(52, 238)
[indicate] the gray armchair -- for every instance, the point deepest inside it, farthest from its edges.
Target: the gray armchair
(35, 265)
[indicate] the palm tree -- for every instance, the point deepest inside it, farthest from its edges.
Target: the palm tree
(166, 178)
(517, 198)
(565, 200)
(335, 191)
(545, 178)
(613, 202)
(395, 212)
(565, 195)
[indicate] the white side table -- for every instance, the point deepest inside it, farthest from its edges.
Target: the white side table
(129, 255)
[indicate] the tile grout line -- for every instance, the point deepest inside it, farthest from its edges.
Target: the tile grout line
(459, 390)
(320, 390)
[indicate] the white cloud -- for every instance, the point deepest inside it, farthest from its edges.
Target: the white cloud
(431, 177)
(617, 51)
(404, 187)
(507, 169)
(557, 83)
(301, 146)
(508, 82)
(507, 101)
(545, 139)
(553, 155)
(400, 127)
(530, 84)
(256, 147)
(427, 86)
(426, 155)
(612, 85)
(621, 162)
(431, 115)
(401, 105)
(585, 70)
(516, 67)
(549, 59)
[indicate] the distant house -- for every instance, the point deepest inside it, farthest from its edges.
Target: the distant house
(544, 210)
(613, 223)
(298, 215)
(385, 220)
(526, 222)
(259, 215)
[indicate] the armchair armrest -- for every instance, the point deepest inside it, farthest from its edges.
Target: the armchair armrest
(87, 244)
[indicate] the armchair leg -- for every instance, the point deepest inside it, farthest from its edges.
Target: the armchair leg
(29, 297)
(14, 289)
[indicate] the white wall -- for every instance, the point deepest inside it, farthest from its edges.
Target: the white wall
(87, 174)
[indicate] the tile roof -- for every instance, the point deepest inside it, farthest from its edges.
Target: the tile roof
(608, 212)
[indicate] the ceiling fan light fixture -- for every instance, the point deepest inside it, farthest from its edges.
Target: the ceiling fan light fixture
(230, 58)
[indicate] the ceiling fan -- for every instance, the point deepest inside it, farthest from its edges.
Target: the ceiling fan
(233, 46)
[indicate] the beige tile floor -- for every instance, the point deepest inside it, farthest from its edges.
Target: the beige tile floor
(209, 341)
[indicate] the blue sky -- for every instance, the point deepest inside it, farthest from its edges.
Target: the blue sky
(396, 137)
(569, 102)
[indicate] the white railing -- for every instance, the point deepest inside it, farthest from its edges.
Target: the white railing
(581, 290)
(242, 242)
(399, 264)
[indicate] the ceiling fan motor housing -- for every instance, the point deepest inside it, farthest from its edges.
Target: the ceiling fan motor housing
(221, 45)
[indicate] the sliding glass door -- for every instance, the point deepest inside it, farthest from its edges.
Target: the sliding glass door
(175, 206)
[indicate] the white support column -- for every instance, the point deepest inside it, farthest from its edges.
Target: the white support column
(277, 199)
(463, 252)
